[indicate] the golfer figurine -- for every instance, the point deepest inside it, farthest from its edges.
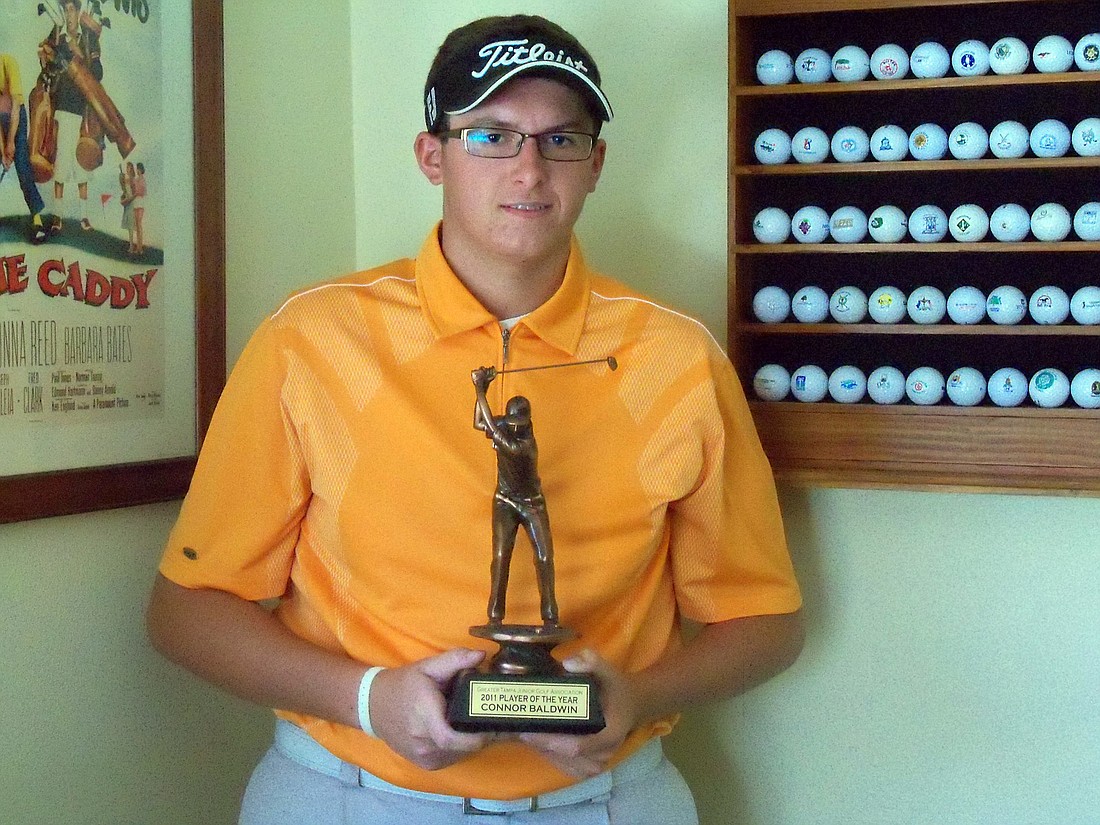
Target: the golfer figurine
(518, 500)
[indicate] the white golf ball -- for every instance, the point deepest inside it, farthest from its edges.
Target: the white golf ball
(848, 305)
(1009, 139)
(815, 66)
(1049, 305)
(851, 63)
(772, 382)
(889, 143)
(888, 224)
(771, 305)
(1086, 137)
(1086, 54)
(1086, 221)
(968, 141)
(1009, 55)
(925, 386)
(1051, 222)
(1049, 387)
(771, 225)
(929, 59)
(926, 305)
(970, 58)
(886, 305)
(966, 305)
(772, 147)
(1010, 223)
(928, 142)
(1050, 138)
(966, 387)
(1085, 305)
(1007, 387)
(847, 384)
(1006, 305)
(928, 224)
(850, 144)
(809, 383)
(810, 145)
(1085, 389)
(810, 224)
(810, 305)
(774, 68)
(848, 224)
(889, 62)
(1052, 53)
(886, 385)
(968, 223)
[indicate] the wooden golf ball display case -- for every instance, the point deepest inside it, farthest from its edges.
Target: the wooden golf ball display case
(1030, 447)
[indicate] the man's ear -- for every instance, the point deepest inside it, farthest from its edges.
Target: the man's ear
(429, 156)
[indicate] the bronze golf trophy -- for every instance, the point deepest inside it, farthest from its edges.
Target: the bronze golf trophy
(523, 688)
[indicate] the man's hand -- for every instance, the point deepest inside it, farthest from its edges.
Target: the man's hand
(483, 377)
(407, 710)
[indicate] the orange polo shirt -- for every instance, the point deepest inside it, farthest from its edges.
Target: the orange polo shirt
(342, 474)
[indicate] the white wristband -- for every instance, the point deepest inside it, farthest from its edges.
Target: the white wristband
(364, 699)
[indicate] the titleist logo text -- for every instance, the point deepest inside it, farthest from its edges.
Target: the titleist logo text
(517, 53)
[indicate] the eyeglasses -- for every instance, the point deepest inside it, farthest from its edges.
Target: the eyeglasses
(490, 142)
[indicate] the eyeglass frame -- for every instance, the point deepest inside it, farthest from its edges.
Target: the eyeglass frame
(462, 133)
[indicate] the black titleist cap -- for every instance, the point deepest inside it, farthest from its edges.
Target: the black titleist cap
(479, 58)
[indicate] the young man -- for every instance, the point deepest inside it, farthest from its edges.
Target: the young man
(341, 477)
(14, 147)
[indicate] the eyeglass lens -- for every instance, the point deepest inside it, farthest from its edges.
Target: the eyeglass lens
(506, 143)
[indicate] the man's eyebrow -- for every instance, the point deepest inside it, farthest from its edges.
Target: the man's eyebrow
(496, 123)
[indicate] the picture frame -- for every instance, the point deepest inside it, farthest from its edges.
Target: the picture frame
(38, 495)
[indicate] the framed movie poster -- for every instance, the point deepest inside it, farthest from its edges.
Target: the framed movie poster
(112, 350)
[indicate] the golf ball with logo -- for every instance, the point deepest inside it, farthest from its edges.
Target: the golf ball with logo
(815, 66)
(1009, 139)
(851, 63)
(810, 145)
(810, 224)
(847, 384)
(1086, 221)
(887, 224)
(966, 387)
(1086, 137)
(850, 144)
(929, 59)
(771, 225)
(810, 305)
(772, 382)
(970, 58)
(809, 383)
(1085, 305)
(926, 305)
(886, 385)
(889, 62)
(774, 68)
(1085, 389)
(1050, 138)
(928, 142)
(1010, 223)
(928, 224)
(968, 223)
(772, 146)
(968, 141)
(1009, 55)
(1007, 387)
(1086, 54)
(966, 305)
(771, 305)
(1006, 305)
(886, 305)
(1049, 305)
(889, 142)
(848, 224)
(848, 305)
(1049, 387)
(925, 386)
(1051, 222)
(1052, 53)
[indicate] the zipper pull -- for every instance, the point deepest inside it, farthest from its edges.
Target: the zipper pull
(506, 337)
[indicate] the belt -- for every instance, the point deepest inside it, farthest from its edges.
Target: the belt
(295, 744)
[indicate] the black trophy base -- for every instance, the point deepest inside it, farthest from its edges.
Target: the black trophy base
(524, 689)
